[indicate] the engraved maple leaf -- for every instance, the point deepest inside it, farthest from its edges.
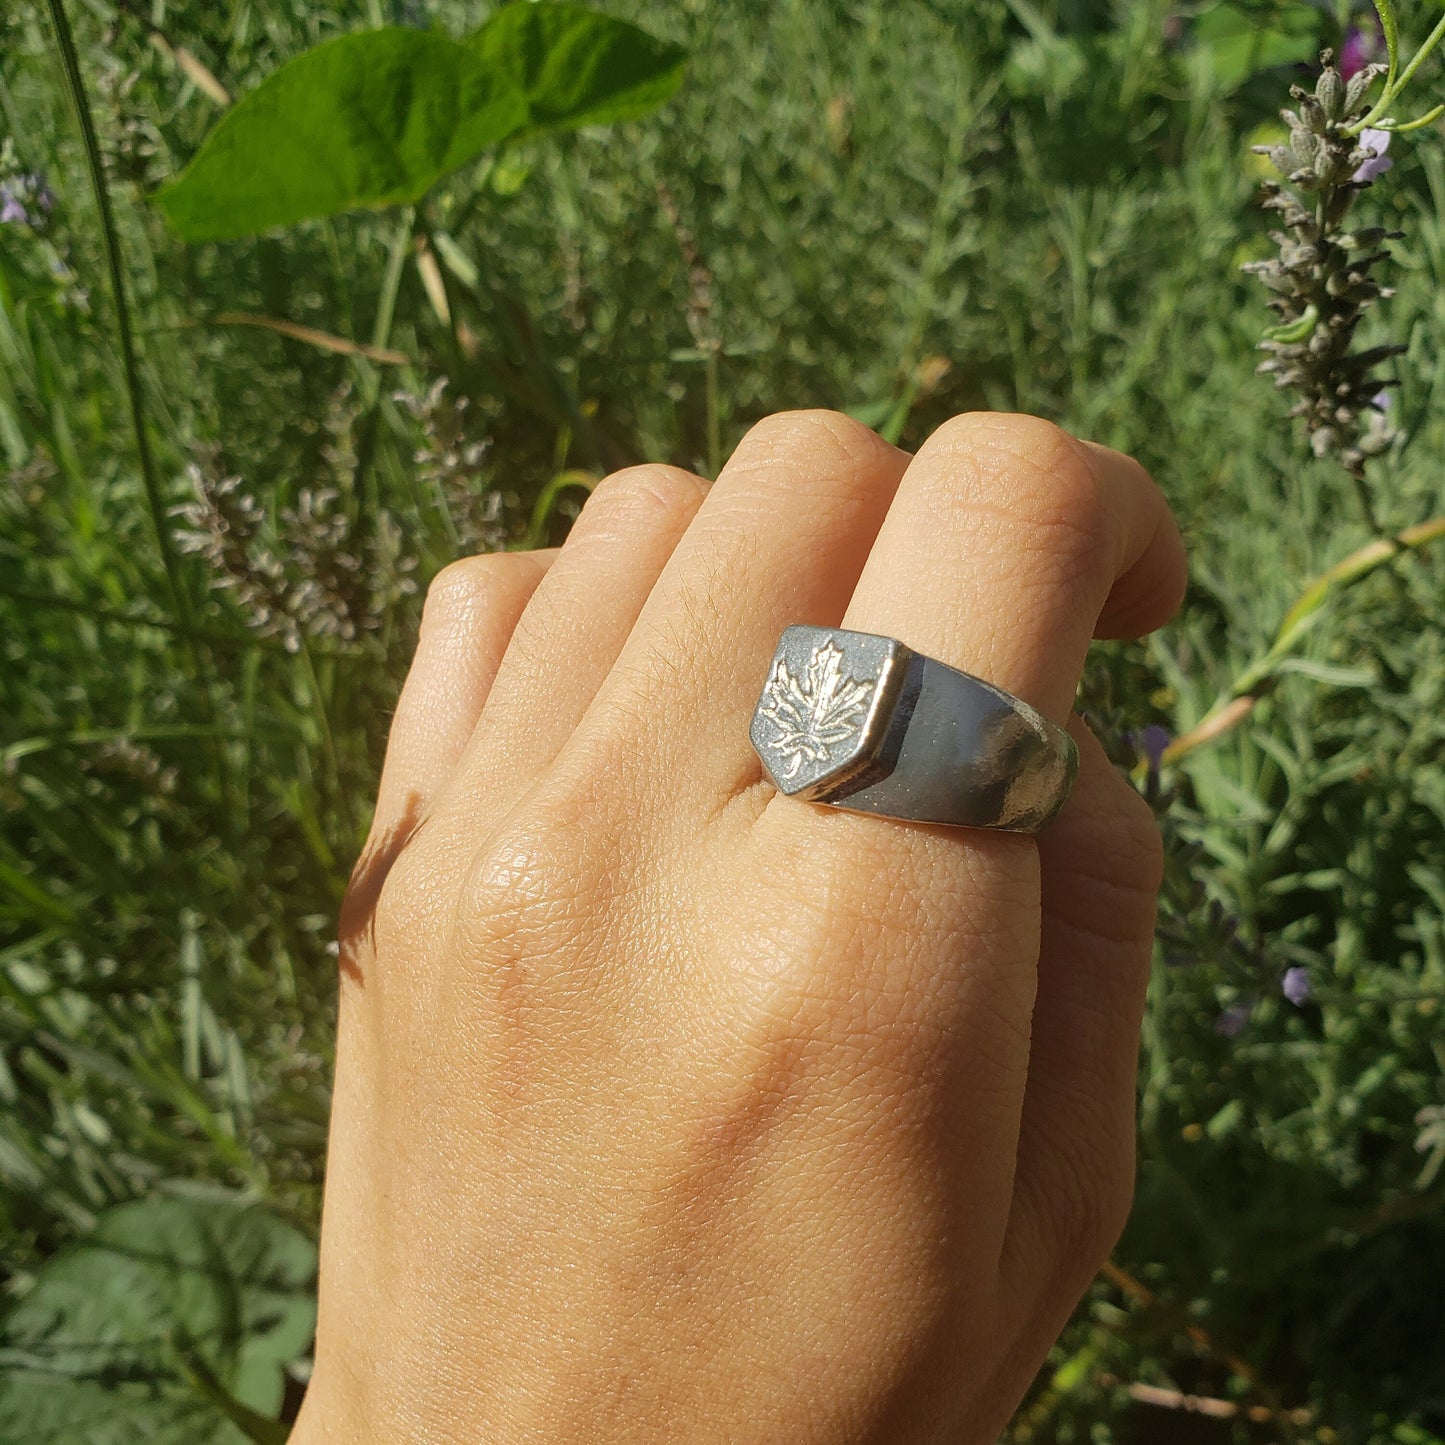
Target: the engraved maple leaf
(816, 714)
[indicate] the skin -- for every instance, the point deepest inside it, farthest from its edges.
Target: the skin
(670, 1109)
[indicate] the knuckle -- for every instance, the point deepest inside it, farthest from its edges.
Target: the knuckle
(635, 494)
(531, 888)
(470, 585)
(1034, 474)
(1029, 444)
(828, 440)
(536, 934)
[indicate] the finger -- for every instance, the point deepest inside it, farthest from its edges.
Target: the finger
(781, 538)
(998, 556)
(1145, 596)
(1073, 1180)
(1010, 543)
(576, 624)
(471, 609)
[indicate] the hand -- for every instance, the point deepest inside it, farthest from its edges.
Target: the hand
(670, 1109)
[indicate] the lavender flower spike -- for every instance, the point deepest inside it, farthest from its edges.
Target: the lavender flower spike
(12, 213)
(1296, 985)
(1374, 143)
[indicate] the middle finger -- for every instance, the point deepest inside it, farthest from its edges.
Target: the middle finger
(782, 537)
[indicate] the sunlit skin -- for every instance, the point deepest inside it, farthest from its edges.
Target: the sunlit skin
(671, 1109)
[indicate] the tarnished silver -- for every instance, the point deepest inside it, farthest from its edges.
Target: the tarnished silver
(862, 722)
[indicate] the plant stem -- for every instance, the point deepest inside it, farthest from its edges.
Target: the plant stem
(1396, 83)
(75, 82)
(371, 393)
(391, 282)
(94, 610)
(1138, 1293)
(1245, 691)
(155, 499)
(536, 534)
(1431, 41)
(1367, 506)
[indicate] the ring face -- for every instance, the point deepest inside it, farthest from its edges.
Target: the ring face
(825, 709)
(862, 722)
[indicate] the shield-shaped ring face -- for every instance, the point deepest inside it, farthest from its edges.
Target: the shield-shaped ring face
(825, 711)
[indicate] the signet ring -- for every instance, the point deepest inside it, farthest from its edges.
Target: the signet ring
(862, 722)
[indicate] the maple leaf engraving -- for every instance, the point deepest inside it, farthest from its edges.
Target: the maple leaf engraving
(814, 716)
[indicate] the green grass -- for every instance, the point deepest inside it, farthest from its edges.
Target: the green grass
(875, 190)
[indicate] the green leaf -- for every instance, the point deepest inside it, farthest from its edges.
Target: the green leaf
(370, 119)
(41, 1410)
(1301, 329)
(1241, 42)
(171, 1322)
(377, 118)
(577, 67)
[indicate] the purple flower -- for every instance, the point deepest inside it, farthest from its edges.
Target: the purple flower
(1374, 143)
(1150, 743)
(1232, 1020)
(1361, 46)
(1153, 742)
(1296, 985)
(26, 200)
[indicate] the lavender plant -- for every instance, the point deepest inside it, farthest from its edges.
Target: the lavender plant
(306, 574)
(1321, 281)
(1322, 287)
(448, 460)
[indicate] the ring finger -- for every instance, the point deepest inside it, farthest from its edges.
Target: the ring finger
(1008, 547)
(575, 625)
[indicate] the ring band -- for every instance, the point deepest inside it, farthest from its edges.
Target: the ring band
(862, 722)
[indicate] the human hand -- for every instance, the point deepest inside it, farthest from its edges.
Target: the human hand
(668, 1108)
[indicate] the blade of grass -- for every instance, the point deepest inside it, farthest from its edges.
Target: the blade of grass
(322, 340)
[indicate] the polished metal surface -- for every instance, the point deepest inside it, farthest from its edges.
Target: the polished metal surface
(861, 722)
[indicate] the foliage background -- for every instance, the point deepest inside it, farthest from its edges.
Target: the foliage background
(900, 209)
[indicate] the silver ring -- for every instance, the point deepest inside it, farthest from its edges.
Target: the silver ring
(862, 722)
